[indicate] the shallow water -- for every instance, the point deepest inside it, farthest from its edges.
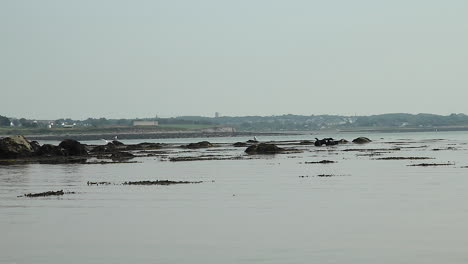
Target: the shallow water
(247, 211)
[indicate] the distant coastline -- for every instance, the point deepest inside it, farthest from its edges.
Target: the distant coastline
(153, 135)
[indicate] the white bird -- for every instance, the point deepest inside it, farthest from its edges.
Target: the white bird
(255, 138)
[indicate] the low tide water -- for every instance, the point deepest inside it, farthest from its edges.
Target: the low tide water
(265, 209)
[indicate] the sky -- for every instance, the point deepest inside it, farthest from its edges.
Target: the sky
(128, 59)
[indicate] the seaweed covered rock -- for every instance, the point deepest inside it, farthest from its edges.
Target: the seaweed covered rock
(361, 140)
(263, 148)
(73, 147)
(202, 144)
(15, 147)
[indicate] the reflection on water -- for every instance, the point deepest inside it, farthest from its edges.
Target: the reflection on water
(247, 211)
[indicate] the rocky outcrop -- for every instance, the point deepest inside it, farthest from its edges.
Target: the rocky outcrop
(361, 140)
(264, 148)
(73, 147)
(16, 147)
(202, 144)
(35, 146)
(49, 150)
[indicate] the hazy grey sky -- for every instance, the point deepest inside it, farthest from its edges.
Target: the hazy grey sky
(130, 59)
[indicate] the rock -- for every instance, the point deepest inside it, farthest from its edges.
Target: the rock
(51, 150)
(121, 155)
(240, 144)
(361, 140)
(202, 144)
(343, 141)
(325, 141)
(73, 147)
(263, 148)
(306, 142)
(15, 147)
(252, 141)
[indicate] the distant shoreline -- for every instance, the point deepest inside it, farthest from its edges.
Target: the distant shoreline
(205, 134)
(154, 135)
(403, 130)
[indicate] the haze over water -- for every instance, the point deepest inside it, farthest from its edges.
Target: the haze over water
(247, 211)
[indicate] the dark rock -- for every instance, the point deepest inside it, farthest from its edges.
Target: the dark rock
(361, 140)
(252, 141)
(51, 150)
(325, 141)
(240, 144)
(263, 148)
(202, 144)
(35, 146)
(73, 147)
(15, 147)
(120, 155)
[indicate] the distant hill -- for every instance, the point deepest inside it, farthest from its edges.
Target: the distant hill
(394, 121)
(320, 122)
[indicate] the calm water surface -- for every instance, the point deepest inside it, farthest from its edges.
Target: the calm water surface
(247, 211)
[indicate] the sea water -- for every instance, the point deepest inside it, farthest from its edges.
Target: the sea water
(265, 209)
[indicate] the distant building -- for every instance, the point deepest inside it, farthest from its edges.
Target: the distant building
(66, 125)
(217, 114)
(145, 123)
